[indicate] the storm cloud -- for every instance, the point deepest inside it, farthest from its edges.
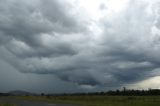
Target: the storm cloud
(111, 48)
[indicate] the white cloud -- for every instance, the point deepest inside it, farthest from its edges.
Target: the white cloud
(152, 82)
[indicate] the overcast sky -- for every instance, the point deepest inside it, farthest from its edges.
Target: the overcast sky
(79, 45)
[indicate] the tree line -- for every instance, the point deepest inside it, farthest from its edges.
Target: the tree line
(124, 92)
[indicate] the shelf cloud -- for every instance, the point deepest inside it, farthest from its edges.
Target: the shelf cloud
(92, 47)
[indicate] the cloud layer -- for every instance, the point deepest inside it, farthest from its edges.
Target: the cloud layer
(118, 46)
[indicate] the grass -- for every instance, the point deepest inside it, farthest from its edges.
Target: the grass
(6, 104)
(100, 100)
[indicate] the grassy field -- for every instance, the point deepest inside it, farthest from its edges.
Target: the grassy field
(100, 100)
(6, 104)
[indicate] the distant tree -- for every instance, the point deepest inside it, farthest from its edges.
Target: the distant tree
(42, 94)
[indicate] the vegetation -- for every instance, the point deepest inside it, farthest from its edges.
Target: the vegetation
(87, 100)
(125, 97)
(6, 104)
(124, 92)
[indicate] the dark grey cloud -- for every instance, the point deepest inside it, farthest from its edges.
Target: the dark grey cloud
(128, 38)
(25, 21)
(50, 38)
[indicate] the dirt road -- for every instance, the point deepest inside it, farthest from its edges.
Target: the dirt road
(19, 102)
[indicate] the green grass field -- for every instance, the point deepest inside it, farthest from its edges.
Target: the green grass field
(100, 100)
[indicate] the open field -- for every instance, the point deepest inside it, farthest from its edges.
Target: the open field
(6, 104)
(99, 100)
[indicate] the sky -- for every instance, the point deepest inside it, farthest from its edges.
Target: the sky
(66, 46)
